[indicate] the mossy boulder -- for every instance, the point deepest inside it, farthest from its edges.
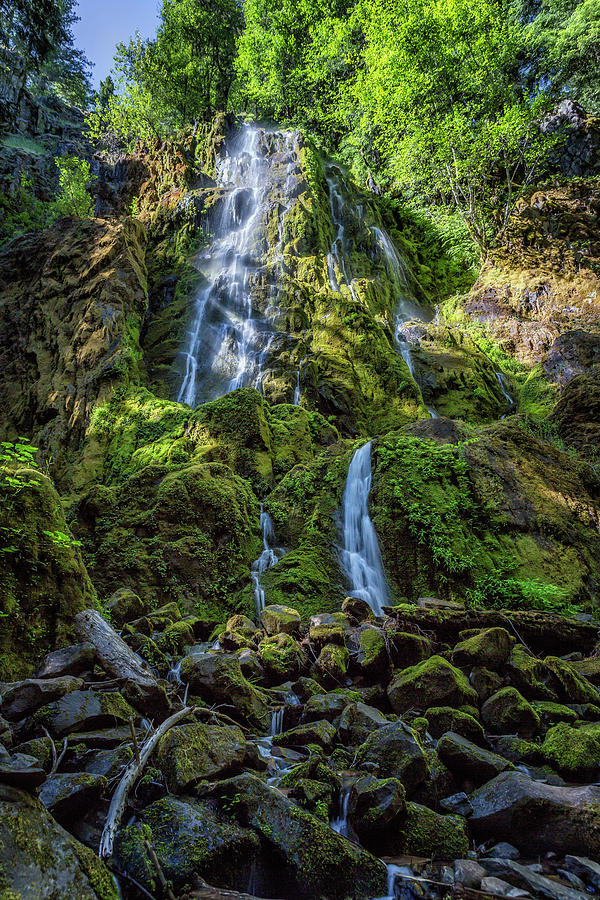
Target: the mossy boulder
(434, 682)
(36, 851)
(532, 677)
(282, 656)
(176, 637)
(468, 761)
(333, 664)
(328, 706)
(485, 682)
(574, 753)
(490, 648)
(427, 833)
(189, 753)
(325, 629)
(125, 606)
(372, 656)
(322, 733)
(508, 712)
(322, 862)
(189, 839)
(393, 751)
(570, 685)
(280, 620)
(358, 721)
(217, 677)
(375, 804)
(406, 648)
(444, 718)
(81, 711)
(551, 713)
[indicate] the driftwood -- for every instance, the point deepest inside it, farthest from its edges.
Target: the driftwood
(132, 773)
(140, 686)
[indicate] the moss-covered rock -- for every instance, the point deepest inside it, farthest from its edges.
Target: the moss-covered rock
(280, 620)
(322, 733)
(508, 712)
(357, 722)
(375, 803)
(444, 718)
(434, 682)
(569, 684)
(393, 751)
(282, 656)
(217, 677)
(427, 833)
(468, 761)
(189, 753)
(333, 664)
(574, 754)
(490, 648)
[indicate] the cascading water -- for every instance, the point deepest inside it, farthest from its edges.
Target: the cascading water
(511, 403)
(340, 824)
(230, 338)
(297, 389)
(337, 253)
(267, 559)
(361, 557)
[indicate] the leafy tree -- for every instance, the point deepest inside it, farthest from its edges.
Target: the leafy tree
(73, 198)
(440, 92)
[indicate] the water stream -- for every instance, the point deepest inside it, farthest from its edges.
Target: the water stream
(337, 253)
(232, 328)
(511, 402)
(361, 557)
(268, 558)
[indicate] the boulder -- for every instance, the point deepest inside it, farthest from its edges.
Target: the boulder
(508, 712)
(322, 862)
(24, 697)
(538, 817)
(485, 682)
(67, 795)
(408, 649)
(217, 678)
(489, 648)
(551, 713)
(333, 664)
(375, 803)
(358, 721)
(325, 629)
(187, 754)
(282, 656)
(189, 839)
(280, 619)
(125, 606)
(434, 682)
(357, 609)
(328, 706)
(586, 869)
(468, 761)
(441, 719)
(574, 753)
(424, 832)
(458, 803)
(569, 685)
(40, 860)
(393, 751)
(533, 882)
(530, 675)
(468, 872)
(321, 733)
(20, 770)
(370, 651)
(67, 661)
(82, 711)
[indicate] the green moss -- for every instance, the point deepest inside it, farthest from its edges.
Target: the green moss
(281, 655)
(426, 833)
(574, 753)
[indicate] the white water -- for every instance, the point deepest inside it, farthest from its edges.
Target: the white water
(297, 389)
(229, 340)
(341, 824)
(393, 874)
(267, 559)
(337, 253)
(277, 721)
(501, 379)
(361, 557)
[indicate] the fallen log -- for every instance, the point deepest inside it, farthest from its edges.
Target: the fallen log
(140, 687)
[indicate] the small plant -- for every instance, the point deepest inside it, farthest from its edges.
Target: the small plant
(134, 207)
(73, 198)
(62, 539)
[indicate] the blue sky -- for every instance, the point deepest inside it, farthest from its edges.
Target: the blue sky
(106, 22)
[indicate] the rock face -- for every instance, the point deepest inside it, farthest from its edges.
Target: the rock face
(36, 851)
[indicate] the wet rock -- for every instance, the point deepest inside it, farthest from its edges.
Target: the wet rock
(467, 760)
(468, 872)
(81, 711)
(530, 675)
(426, 833)
(328, 706)
(36, 852)
(323, 862)
(333, 664)
(371, 652)
(189, 753)
(551, 713)
(538, 817)
(440, 781)
(570, 686)
(189, 839)
(408, 649)
(321, 733)
(20, 770)
(67, 795)
(525, 878)
(508, 712)
(176, 637)
(67, 661)
(375, 804)
(126, 606)
(586, 869)
(280, 620)
(314, 796)
(358, 721)
(485, 682)
(458, 803)
(490, 648)
(24, 697)
(517, 750)
(250, 665)
(325, 629)
(441, 719)
(217, 678)
(357, 609)
(434, 682)
(241, 624)
(500, 888)
(574, 753)
(109, 763)
(282, 656)
(394, 752)
(503, 850)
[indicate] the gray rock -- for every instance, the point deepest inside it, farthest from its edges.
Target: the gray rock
(394, 752)
(81, 711)
(358, 721)
(217, 678)
(321, 732)
(503, 850)
(468, 872)
(68, 794)
(459, 804)
(500, 888)
(189, 753)
(469, 761)
(40, 861)
(24, 697)
(375, 803)
(280, 620)
(20, 770)
(67, 661)
(523, 877)
(586, 869)
(327, 706)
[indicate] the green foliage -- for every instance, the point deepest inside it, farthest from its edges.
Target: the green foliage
(73, 198)
(500, 589)
(23, 212)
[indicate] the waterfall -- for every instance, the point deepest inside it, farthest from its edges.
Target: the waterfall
(229, 340)
(267, 559)
(361, 557)
(277, 721)
(297, 389)
(336, 254)
(511, 402)
(341, 824)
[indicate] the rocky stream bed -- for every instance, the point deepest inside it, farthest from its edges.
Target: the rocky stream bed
(435, 751)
